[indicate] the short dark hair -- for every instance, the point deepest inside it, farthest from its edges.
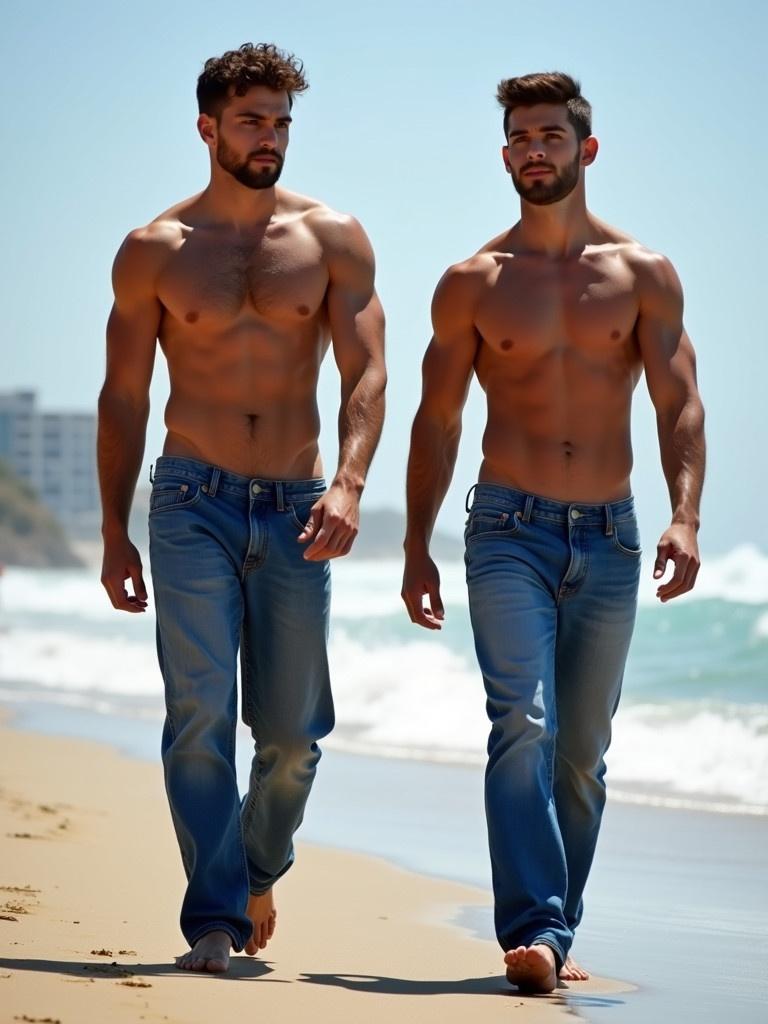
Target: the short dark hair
(237, 71)
(546, 87)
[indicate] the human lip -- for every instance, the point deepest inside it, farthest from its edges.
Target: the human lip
(265, 158)
(537, 172)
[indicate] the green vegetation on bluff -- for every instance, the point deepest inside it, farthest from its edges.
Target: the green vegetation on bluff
(29, 533)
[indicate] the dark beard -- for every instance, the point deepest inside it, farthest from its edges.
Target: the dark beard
(244, 172)
(541, 193)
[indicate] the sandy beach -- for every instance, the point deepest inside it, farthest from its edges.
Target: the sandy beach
(89, 895)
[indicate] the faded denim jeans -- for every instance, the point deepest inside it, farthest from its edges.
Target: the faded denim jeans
(552, 595)
(229, 576)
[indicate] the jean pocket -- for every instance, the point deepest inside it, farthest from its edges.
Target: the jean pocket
(626, 537)
(489, 523)
(168, 494)
(300, 512)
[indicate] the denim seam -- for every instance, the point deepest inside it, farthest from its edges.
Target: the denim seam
(625, 550)
(509, 531)
(291, 509)
(177, 504)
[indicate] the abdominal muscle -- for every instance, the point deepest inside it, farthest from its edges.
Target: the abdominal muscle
(246, 400)
(580, 454)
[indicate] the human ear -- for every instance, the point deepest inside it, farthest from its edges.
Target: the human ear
(206, 129)
(589, 148)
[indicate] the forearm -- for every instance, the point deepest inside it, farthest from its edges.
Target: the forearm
(683, 457)
(361, 418)
(434, 446)
(120, 450)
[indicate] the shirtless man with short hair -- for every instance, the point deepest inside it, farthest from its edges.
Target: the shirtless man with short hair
(244, 285)
(558, 316)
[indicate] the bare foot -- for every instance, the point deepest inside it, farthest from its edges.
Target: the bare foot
(572, 972)
(209, 953)
(532, 968)
(261, 910)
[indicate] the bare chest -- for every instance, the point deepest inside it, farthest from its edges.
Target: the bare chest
(216, 282)
(537, 309)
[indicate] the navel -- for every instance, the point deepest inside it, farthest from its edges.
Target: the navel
(507, 344)
(567, 449)
(252, 419)
(192, 317)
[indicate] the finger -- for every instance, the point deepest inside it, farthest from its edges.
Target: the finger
(672, 586)
(663, 555)
(343, 543)
(121, 599)
(685, 584)
(420, 615)
(328, 543)
(435, 602)
(313, 523)
(137, 579)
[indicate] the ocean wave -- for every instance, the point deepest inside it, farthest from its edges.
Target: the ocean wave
(421, 699)
(369, 589)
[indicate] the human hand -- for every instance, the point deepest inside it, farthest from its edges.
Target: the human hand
(332, 525)
(421, 578)
(679, 545)
(122, 562)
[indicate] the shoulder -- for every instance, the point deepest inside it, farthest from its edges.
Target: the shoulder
(145, 250)
(338, 233)
(656, 280)
(462, 284)
(652, 271)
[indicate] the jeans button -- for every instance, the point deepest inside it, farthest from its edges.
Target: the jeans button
(575, 514)
(255, 489)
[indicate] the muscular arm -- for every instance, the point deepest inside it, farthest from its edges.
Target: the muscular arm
(446, 372)
(124, 408)
(356, 322)
(670, 370)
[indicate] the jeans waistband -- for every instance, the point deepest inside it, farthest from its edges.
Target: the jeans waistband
(526, 506)
(215, 479)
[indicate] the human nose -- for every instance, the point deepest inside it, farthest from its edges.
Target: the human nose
(536, 150)
(268, 136)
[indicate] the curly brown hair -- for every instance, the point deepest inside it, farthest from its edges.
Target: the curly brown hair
(546, 87)
(237, 71)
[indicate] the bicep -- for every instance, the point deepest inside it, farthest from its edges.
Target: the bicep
(450, 357)
(355, 314)
(133, 325)
(666, 350)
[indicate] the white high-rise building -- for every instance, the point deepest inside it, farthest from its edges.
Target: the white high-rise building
(55, 453)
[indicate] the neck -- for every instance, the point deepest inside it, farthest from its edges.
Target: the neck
(559, 229)
(228, 200)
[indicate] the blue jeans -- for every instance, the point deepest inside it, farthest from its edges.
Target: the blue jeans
(552, 596)
(228, 574)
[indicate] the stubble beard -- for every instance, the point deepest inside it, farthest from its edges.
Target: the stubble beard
(542, 193)
(243, 171)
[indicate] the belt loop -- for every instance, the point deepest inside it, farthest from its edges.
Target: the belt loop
(608, 521)
(466, 500)
(528, 508)
(279, 496)
(151, 467)
(214, 483)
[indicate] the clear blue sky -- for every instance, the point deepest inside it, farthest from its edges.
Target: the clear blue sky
(400, 127)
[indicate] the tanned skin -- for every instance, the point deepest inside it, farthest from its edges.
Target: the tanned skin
(558, 317)
(244, 289)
